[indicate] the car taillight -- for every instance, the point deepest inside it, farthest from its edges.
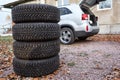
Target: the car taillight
(85, 16)
(87, 28)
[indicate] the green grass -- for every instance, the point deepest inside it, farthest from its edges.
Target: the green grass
(95, 50)
(107, 55)
(71, 64)
(83, 54)
(6, 39)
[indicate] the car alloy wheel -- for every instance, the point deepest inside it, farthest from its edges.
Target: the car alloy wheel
(66, 36)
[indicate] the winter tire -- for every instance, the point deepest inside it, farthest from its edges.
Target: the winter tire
(35, 68)
(35, 13)
(36, 50)
(36, 31)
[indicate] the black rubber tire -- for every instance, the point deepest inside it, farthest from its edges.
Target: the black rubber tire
(36, 31)
(35, 68)
(82, 38)
(36, 50)
(71, 35)
(35, 13)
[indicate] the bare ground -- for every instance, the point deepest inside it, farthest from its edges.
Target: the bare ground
(90, 60)
(83, 60)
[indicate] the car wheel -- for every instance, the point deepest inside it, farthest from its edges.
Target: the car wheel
(82, 38)
(67, 36)
(35, 68)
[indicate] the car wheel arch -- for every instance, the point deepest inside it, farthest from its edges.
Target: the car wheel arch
(68, 26)
(71, 31)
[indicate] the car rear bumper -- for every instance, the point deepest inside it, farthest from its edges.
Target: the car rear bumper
(86, 34)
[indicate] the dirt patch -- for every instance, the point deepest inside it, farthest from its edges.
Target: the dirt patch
(83, 60)
(110, 37)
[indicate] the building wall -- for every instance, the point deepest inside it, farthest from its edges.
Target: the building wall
(109, 16)
(55, 2)
(51, 2)
(116, 12)
(109, 20)
(74, 1)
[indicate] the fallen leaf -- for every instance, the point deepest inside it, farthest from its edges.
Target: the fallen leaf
(3, 78)
(35, 78)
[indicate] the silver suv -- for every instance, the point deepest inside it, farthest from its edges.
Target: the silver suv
(78, 21)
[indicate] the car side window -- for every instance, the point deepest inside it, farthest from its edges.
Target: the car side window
(64, 11)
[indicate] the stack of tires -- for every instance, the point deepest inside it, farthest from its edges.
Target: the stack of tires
(36, 35)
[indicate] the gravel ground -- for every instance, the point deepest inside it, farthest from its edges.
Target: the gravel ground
(89, 60)
(83, 60)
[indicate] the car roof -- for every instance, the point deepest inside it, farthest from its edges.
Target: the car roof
(69, 5)
(73, 7)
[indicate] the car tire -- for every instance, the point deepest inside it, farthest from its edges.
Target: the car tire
(36, 31)
(35, 68)
(36, 50)
(67, 36)
(82, 38)
(35, 13)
